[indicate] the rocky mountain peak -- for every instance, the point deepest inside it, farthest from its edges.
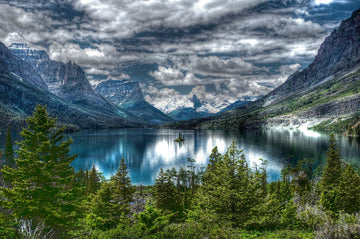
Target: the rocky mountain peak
(337, 55)
(195, 100)
(9, 62)
(120, 91)
(33, 55)
(128, 95)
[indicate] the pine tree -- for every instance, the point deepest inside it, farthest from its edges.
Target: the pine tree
(102, 211)
(123, 190)
(329, 184)
(165, 193)
(9, 151)
(332, 170)
(41, 185)
(111, 203)
(93, 181)
(349, 190)
(230, 190)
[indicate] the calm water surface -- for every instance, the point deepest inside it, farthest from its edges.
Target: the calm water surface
(147, 150)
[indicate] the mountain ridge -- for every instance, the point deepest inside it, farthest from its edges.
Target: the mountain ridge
(22, 88)
(128, 95)
(327, 89)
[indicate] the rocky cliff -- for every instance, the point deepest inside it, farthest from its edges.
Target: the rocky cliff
(22, 87)
(128, 95)
(9, 63)
(188, 113)
(67, 81)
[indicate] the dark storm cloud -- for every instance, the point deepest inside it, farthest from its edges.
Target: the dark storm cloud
(221, 50)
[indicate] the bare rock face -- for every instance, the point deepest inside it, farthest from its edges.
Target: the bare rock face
(339, 53)
(69, 96)
(67, 81)
(128, 95)
(25, 71)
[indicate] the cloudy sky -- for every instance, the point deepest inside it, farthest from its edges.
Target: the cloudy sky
(220, 50)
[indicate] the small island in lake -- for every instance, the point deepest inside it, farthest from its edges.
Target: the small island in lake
(180, 138)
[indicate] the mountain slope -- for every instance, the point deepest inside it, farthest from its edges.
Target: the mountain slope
(21, 88)
(128, 95)
(188, 113)
(329, 88)
(19, 68)
(18, 99)
(67, 81)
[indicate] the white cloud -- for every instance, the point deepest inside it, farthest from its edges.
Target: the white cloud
(326, 2)
(171, 76)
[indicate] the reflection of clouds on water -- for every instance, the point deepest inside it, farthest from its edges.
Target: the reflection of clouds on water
(146, 150)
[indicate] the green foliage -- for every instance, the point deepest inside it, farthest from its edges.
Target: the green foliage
(110, 204)
(340, 186)
(349, 190)
(332, 170)
(9, 151)
(123, 190)
(92, 181)
(174, 190)
(228, 200)
(230, 190)
(349, 125)
(41, 184)
(153, 220)
(346, 226)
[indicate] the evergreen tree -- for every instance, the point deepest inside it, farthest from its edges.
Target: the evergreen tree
(349, 190)
(41, 185)
(103, 214)
(9, 151)
(332, 170)
(230, 190)
(329, 184)
(92, 181)
(123, 190)
(111, 203)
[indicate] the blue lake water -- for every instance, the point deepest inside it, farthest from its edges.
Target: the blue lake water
(147, 150)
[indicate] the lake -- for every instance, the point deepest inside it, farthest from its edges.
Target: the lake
(147, 150)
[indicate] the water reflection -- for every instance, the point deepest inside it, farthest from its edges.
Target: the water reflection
(146, 150)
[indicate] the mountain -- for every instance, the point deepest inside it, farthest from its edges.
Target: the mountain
(327, 91)
(238, 103)
(67, 81)
(19, 68)
(187, 113)
(22, 87)
(196, 101)
(128, 95)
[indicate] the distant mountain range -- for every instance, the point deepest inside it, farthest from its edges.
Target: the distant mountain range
(187, 113)
(327, 91)
(28, 76)
(128, 95)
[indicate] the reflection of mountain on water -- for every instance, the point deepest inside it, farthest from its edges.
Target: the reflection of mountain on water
(146, 150)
